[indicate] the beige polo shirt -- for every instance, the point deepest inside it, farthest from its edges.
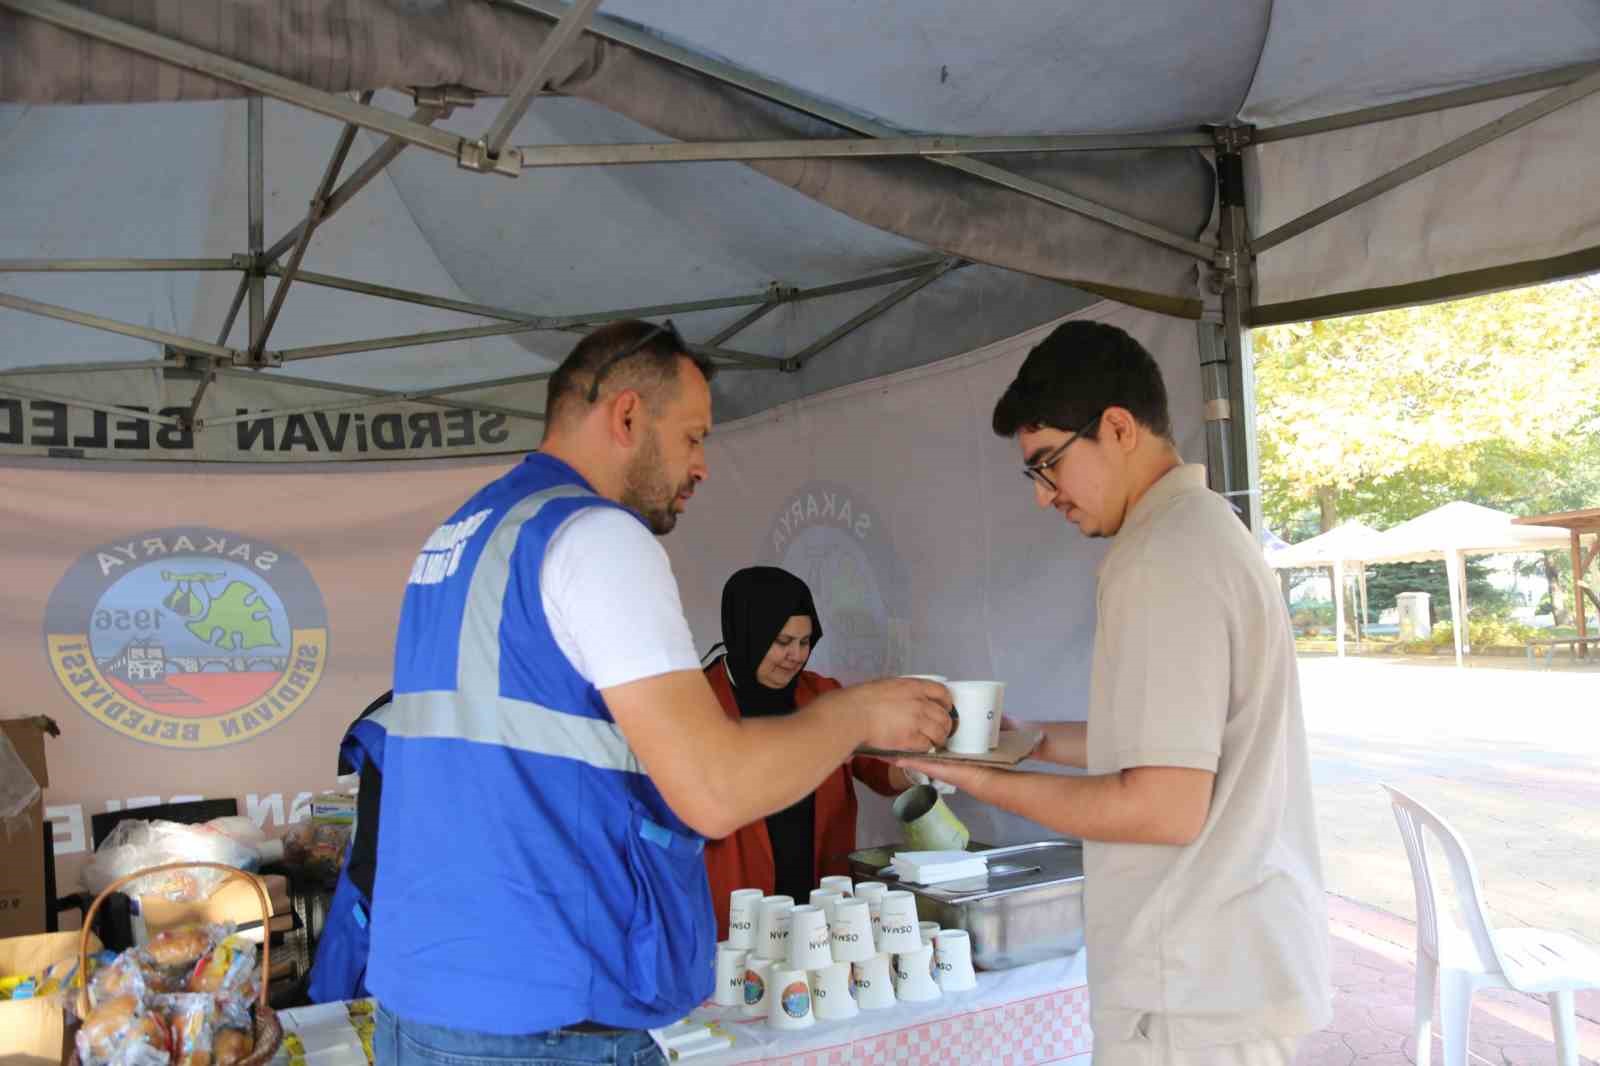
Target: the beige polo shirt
(1194, 665)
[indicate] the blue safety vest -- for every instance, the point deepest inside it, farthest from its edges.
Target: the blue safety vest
(339, 971)
(530, 875)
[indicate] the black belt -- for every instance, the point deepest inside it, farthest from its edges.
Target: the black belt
(594, 1029)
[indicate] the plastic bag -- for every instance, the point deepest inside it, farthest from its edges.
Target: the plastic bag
(119, 1030)
(319, 847)
(135, 845)
(18, 790)
(227, 970)
(192, 1019)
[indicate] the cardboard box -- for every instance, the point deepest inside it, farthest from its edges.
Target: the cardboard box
(33, 1032)
(235, 901)
(22, 902)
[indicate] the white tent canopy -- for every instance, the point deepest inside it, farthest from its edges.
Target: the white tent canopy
(1452, 532)
(1340, 546)
(839, 192)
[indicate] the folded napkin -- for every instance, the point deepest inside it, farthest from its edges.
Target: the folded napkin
(933, 867)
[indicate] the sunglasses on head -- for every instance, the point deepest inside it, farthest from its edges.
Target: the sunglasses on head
(666, 329)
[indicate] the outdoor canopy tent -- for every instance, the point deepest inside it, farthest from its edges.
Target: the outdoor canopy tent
(1451, 138)
(1346, 543)
(864, 211)
(1452, 532)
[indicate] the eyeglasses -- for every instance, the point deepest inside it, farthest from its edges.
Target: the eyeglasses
(1037, 472)
(666, 328)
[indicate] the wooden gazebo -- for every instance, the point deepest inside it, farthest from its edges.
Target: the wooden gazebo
(1579, 524)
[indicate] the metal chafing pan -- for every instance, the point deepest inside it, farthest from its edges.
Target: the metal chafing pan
(1029, 907)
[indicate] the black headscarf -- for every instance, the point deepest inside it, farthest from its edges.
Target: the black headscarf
(756, 604)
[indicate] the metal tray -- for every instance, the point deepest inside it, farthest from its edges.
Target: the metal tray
(1029, 907)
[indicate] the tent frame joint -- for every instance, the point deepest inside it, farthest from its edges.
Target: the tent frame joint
(443, 98)
(475, 155)
(1233, 138)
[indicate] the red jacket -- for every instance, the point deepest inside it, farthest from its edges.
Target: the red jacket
(744, 860)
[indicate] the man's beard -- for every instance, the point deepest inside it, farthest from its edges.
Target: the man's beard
(647, 490)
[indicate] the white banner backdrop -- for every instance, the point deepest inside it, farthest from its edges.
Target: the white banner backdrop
(918, 535)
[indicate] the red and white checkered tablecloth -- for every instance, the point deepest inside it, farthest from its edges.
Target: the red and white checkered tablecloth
(1029, 1016)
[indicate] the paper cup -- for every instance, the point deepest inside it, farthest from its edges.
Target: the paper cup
(772, 927)
(840, 884)
(913, 975)
(928, 822)
(790, 1001)
(897, 921)
(872, 892)
(744, 904)
(826, 898)
(850, 932)
(939, 678)
(810, 942)
(830, 993)
(757, 987)
(873, 983)
(952, 961)
(978, 704)
(929, 930)
(729, 990)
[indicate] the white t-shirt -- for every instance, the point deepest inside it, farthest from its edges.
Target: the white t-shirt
(611, 600)
(1225, 938)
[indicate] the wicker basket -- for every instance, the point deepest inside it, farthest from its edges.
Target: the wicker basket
(269, 1032)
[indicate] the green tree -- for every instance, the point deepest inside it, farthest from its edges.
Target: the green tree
(1380, 417)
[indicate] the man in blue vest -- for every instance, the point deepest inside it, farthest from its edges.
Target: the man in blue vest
(554, 758)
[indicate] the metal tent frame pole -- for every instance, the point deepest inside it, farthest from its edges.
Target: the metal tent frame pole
(1227, 377)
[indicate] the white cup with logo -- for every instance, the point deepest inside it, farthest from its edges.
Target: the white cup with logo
(825, 898)
(929, 930)
(810, 941)
(830, 992)
(913, 975)
(757, 986)
(772, 927)
(952, 961)
(978, 710)
(897, 922)
(851, 931)
(789, 1005)
(744, 904)
(873, 982)
(872, 892)
(729, 991)
(838, 883)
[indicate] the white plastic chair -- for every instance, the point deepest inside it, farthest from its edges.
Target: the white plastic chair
(1526, 960)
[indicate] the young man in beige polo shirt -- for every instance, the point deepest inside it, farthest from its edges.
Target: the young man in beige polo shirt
(1206, 924)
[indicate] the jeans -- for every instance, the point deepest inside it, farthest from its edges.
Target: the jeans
(397, 1042)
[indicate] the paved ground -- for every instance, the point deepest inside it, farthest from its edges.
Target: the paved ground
(1509, 756)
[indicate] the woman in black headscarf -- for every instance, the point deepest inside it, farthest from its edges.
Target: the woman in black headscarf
(769, 628)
